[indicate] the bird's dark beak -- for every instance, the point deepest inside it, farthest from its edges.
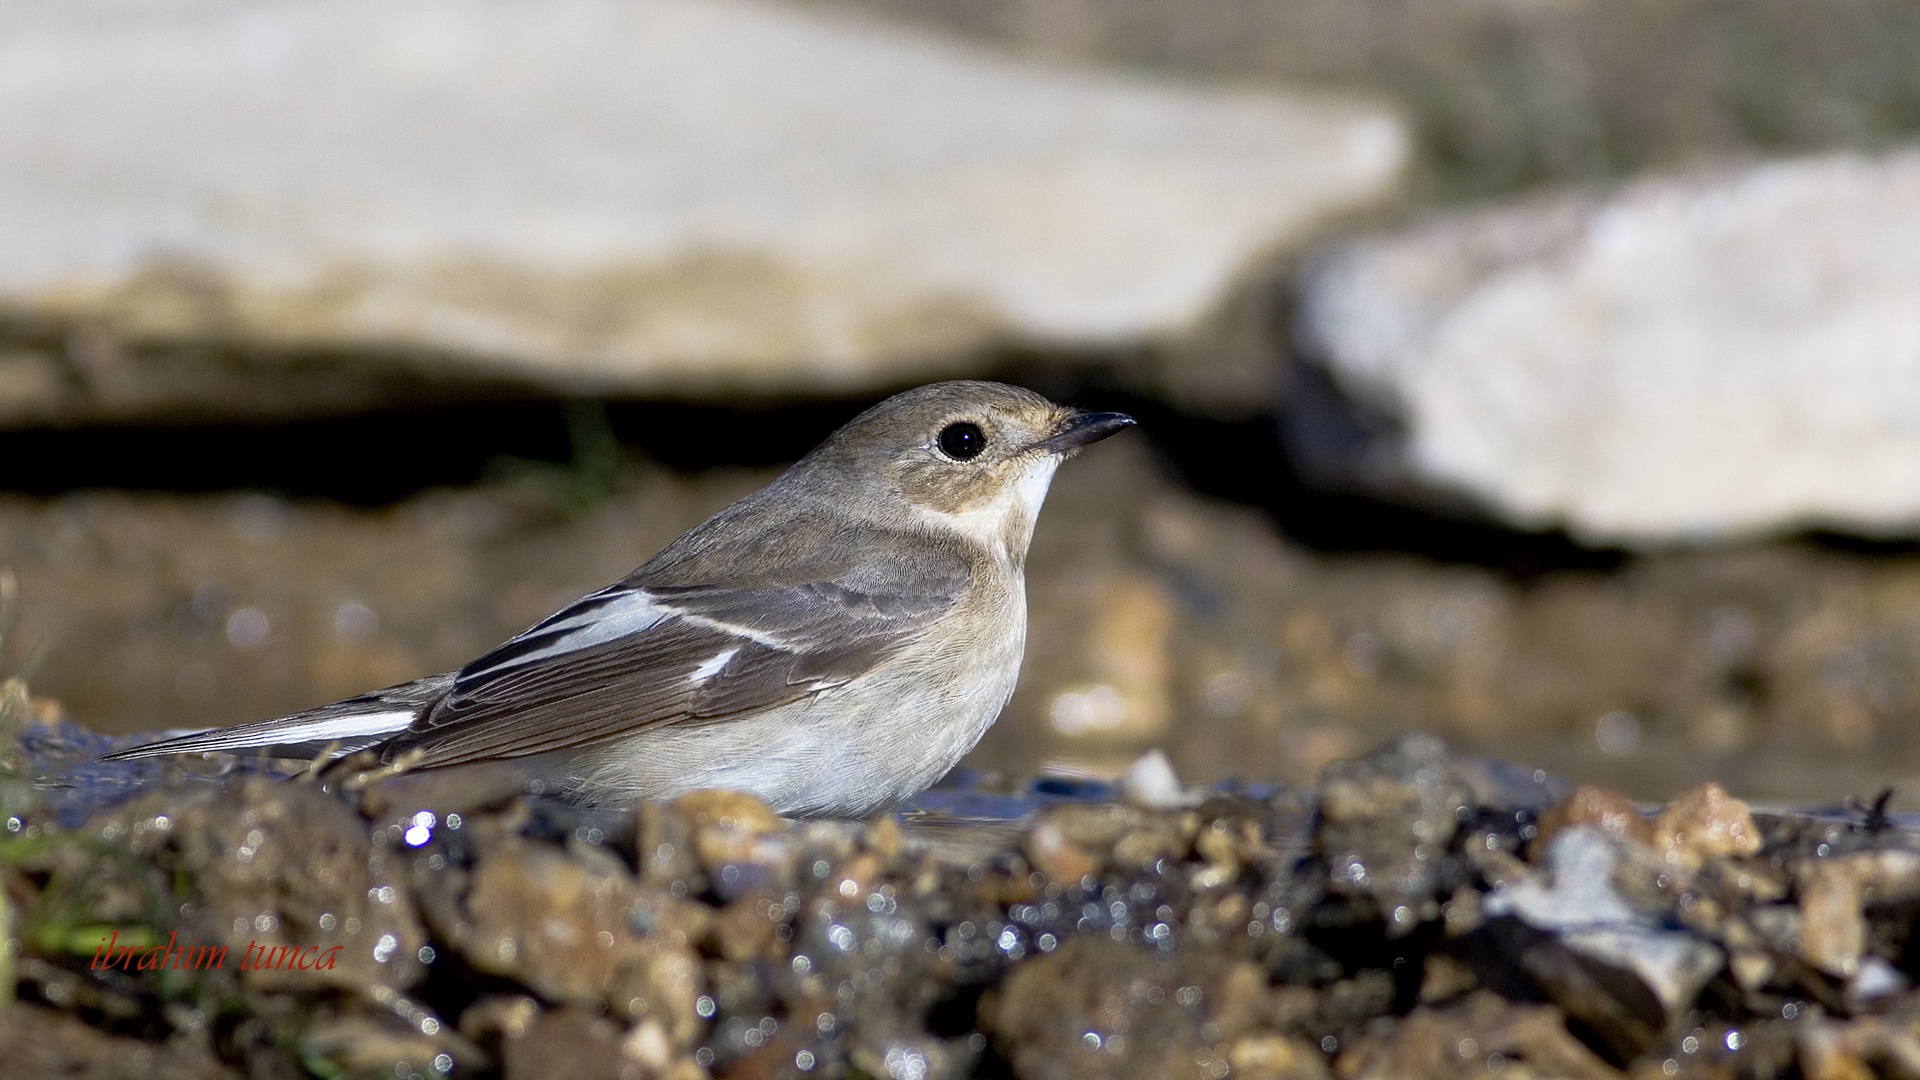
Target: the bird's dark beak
(1080, 429)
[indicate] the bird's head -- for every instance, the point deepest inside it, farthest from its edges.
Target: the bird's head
(973, 456)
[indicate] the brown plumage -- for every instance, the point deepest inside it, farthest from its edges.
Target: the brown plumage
(833, 642)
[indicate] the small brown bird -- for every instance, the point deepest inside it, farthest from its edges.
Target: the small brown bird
(832, 643)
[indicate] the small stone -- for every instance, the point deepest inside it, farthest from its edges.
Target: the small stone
(1386, 822)
(364, 1045)
(1833, 896)
(897, 1053)
(1462, 914)
(1220, 849)
(1158, 836)
(1778, 925)
(1348, 1004)
(590, 1045)
(1837, 1066)
(1876, 979)
(1751, 968)
(1292, 1008)
(745, 928)
(858, 875)
(1094, 828)
(648, 1046)
(1150, 782)
(1268, 1056)
(728, 810)
(43, 1042)
(1705, 823)
(1579, 889)
(498, 1016)
(289, 881)
(1499, 868)
(1443, 977)
(1608, 962)
(1461, 1040)
(734, 829)
(1609, 811)
(1060, 1015)
(664, 845)
(1052, 853)
(882, 837)
(583, 933)
(1828, 1051)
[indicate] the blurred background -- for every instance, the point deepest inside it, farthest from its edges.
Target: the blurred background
(1541, 373)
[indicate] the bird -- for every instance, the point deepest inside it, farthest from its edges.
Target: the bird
(831, 644)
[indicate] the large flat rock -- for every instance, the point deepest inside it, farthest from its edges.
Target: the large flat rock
(1688, 359)
(199, 197)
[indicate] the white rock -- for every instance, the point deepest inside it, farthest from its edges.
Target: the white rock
(1876, 979)
(1151, 782)
(626, 194)
(1583, 909)
(1690, 359)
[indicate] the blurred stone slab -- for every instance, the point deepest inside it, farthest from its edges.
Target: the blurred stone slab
(630, 196)
(1688, 359)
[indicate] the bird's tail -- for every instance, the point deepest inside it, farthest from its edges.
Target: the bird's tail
(344, 726)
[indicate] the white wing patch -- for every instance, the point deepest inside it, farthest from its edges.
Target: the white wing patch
(339, 727)
(352, 731)
(712, 667)
(630, 613)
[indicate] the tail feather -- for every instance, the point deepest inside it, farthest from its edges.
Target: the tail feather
(352, 724)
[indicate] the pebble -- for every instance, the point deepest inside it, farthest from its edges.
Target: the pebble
(1150, 782)
(1611, 812)
(1704, 823)
(1653, 973)
(1387, 820)
(1480, 1035)
(1834, 893)
(584, 933)
(1104, 1008)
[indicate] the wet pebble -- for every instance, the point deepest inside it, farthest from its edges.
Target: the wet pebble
(1608, 811)
(1480, 1036)
(1605, 959)
(289, 881)
(1702, 824)
(1834, 893)
(1386, 824)
(1104, 1008)
(584, 932)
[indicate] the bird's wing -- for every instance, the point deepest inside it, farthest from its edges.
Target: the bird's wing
(344, 726)
(630, 657)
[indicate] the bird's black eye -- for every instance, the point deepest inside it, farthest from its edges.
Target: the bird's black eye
(962, 441)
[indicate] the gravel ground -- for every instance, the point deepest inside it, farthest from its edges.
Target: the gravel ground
(1413, 914)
